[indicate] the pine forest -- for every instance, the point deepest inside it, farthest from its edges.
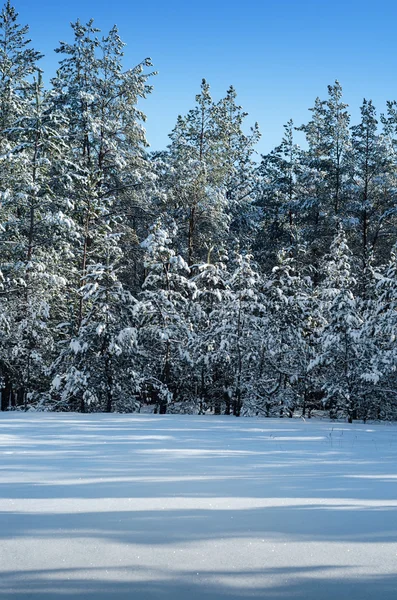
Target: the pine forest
(203, 278)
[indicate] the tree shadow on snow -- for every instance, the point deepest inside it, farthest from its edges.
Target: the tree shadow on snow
(327, 583)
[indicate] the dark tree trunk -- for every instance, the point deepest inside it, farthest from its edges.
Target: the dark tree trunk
(6, 394)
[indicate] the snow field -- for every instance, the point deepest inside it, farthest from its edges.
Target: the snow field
(160, 507)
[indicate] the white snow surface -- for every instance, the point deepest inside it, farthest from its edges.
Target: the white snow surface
(186, 508)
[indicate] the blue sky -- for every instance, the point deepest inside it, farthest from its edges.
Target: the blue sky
(279, 55)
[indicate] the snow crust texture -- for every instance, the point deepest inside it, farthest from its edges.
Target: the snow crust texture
(159, 507)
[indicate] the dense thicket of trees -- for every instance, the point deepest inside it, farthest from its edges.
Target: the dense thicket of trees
(197, 278)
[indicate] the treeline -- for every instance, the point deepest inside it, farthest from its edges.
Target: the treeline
(200, 278)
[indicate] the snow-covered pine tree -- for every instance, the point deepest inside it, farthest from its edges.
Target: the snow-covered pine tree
(210, 177)
(32, 145)
(381, 329)
(246, 324)
(340, 362)
(211, 340)
(237, 150)
(164, 328)
(193, 183)
(290, 342)
(106, 139)
(108, 168)
(324, 192)
(94, 372)
(18, 62)
(371, 193)
(279, 198)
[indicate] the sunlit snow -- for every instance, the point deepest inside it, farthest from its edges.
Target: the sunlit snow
(187, 508)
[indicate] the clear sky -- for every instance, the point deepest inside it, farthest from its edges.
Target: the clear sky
(279, 55)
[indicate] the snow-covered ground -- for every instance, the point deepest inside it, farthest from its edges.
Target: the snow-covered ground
(186, 508)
